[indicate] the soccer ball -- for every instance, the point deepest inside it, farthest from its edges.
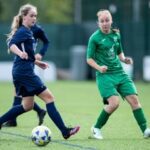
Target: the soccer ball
(41, 135)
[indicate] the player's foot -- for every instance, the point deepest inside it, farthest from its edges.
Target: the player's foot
(96, 133)
(147, 133)
(10, 123)
(41, 116)
(71, 131)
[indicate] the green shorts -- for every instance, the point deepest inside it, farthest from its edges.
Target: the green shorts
(115, 84)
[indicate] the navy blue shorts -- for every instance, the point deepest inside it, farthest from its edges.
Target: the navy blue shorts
(28, 85)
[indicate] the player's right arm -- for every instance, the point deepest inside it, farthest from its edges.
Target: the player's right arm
(91, 54)
(94, 65)
(14, 49)
(20, 36)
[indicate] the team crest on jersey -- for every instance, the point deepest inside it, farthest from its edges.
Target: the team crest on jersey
(103, 40)
(111, 52)
(115, 38)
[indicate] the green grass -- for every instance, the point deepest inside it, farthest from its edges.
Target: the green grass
(79, 103)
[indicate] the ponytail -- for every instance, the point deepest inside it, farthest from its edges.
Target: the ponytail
(17, 20)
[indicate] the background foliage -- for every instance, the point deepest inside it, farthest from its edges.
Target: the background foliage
(52, 11)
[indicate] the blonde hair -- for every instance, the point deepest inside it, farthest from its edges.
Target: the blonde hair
(17, 20)
(102, 11)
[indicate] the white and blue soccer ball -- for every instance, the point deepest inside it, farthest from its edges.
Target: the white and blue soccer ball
(41, 135)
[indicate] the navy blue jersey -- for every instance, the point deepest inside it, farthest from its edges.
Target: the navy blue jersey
(23, 39)
(26, 82)
(39, 34)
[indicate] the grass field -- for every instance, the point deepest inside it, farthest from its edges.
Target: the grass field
(79, 103)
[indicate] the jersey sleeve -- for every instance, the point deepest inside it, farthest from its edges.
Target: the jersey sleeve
(19, 37)
(91, 48)
(43, 37)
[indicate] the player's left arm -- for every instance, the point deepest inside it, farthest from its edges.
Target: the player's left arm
(38, 56)
(43, 37)
(126, 60)
(41, 64)
(120, 53)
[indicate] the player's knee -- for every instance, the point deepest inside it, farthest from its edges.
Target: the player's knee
(114, 106)
(49, 98)
(134, 102)
(28, 107)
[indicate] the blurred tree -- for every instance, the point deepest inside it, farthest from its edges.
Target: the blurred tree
(50, 11)
(59, 11)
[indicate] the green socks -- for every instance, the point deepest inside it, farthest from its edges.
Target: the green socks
(138, 114)
(140, 118)
(102, 119)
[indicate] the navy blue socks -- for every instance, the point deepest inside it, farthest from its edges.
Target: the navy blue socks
(56, 118)
(17, 100)
(37, 108)
(12, 113)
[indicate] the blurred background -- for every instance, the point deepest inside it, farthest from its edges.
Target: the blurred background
(69, 24)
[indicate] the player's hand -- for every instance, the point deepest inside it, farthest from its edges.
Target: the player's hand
(23, 55)
(103, 69)
(38, 56)
(128, 60)
(41, 64)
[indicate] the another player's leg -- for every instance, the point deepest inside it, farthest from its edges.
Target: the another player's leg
(40, 113)
(55, 116)
(17, 110)
(141, 120)
(101, 120)
(12, 113)
(139, 114)
(13, 123)
(113, 103)
(17, 101)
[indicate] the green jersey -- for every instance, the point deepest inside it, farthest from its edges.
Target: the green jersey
(104, 49)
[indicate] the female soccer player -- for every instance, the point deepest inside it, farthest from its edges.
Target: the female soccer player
(26, 82)
(38, 34)
(105, 54)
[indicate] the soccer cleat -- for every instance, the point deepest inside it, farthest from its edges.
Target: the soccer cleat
(147, 133)
(96, 133)
(10, 123)
(71, 131)
(41, 116)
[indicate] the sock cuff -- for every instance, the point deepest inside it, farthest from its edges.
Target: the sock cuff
(138, 109)
(51, 103)
(105, 112)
